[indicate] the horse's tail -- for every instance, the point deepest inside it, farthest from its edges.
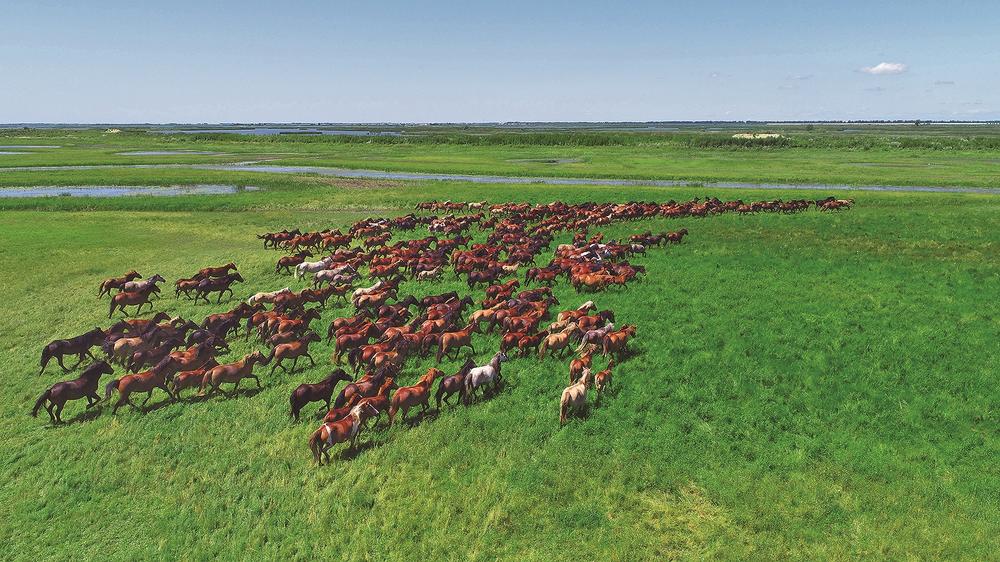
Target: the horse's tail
(563, 409)
(111, 387)
(46, 356)
(315, 441)
(41, 400)
(291, 403)
(352, 358)
(542, 347)
(111, 310)
(100, 289)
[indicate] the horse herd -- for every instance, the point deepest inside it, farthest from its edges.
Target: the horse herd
(387, 330)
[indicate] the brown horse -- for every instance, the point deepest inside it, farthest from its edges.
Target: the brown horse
(191, 378)
(215, 271)
(381, 399)
(577, 366)
(83, 387)
(617, 342)
(454, 383)
(116, 283)
(602, 380)
(409, 396)
(455, 341)
(346, 429)
(557, 342)
(321, 391)
(293, 350)
(221, 285)
(142, 382)
(121, 300)
(79, 346)
(232, 372)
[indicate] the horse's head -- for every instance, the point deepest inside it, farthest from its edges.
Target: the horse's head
(157, 278)
(237, 276)
(500, 357)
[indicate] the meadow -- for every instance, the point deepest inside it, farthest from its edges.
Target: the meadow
(807, 386)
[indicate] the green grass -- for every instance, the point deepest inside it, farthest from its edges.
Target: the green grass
(814, 386)
(906, 156)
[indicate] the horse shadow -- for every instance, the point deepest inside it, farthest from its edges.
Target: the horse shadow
(349, 454)
(88, 415)
(418, 418)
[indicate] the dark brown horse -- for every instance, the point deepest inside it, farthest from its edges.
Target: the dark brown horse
(215, 271)
(79, 346)
(318, 392)
(221, 285)
(138, 298)
(83, 387)
(454, 383)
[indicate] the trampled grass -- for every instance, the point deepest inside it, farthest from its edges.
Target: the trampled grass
(805, 386)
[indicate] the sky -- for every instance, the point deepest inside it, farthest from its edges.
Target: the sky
(483, 61)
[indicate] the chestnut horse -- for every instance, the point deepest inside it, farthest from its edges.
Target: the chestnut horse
(455, 341)
(116, 283)
(215, 271)
(232, 372)
(293, 350)
(602, 380)
(83, 387)
(409, 396)
(121, 300)
(321, 391)
(142, 382)
(346, 429)
(617, 342)
(79, 346)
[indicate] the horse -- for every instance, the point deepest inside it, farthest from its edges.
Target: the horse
(580, 311)
(454, 383)
(215, 271)
(293, 350)
(85, 386)
(557, 342)
(321, 391)
(286, 263)
(79, 345)
(617, 342)
(574, 397)
(454, 341)
(312, 267)
(267, 297)
(232, 372)
(144, 285)
(190, 378)
(221, 285)
(409, 396)
(142, 382)
(121, 300)
(116, 283)
(577, 366)
(380, 401)
(595, 336)
(602, 380)
(480, 376)
(331, 433)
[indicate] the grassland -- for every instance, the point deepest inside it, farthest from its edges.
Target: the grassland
(813, 386)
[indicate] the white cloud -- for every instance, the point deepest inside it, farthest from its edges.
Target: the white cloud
(944, 83)
(884, 68)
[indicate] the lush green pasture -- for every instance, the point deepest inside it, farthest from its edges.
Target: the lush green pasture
(812, 386)
(966, 158)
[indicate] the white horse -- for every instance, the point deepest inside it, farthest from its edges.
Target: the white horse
(574, 397)
(430, 274)
(267, 297)
(488, 374)
(368, 290)
(312, 267)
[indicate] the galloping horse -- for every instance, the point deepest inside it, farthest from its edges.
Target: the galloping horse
(602, 380)
(221, 285)
(321, 391)
(408, 396)
(215, 271)
(617, 342)
(557, 342)
(293, 350)
(83, 387)
(121, 300)
(142, 382)
(232, 372)
(574, 397)
(455, 341)
(454, 383)
(144, 285)
(116, 283)
(79, 345)
(488, 374)
(331, 433)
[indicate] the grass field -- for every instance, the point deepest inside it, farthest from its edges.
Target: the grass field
(812, 386)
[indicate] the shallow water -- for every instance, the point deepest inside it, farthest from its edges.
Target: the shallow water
(13, 152)
(17, 146)
(122, 190)
(379, 174)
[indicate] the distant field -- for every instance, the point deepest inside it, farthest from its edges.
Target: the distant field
(910, 156)
(809, 386)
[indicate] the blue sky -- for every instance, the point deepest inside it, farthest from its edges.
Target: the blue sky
(250, 61)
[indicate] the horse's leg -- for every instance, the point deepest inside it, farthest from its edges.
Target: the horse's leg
(59, 359)
(295, 362)
(48, 408)
(276, 365)
(149, 394)
(59, 409)
(258, 381)
(79, 359)
(311, 361)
